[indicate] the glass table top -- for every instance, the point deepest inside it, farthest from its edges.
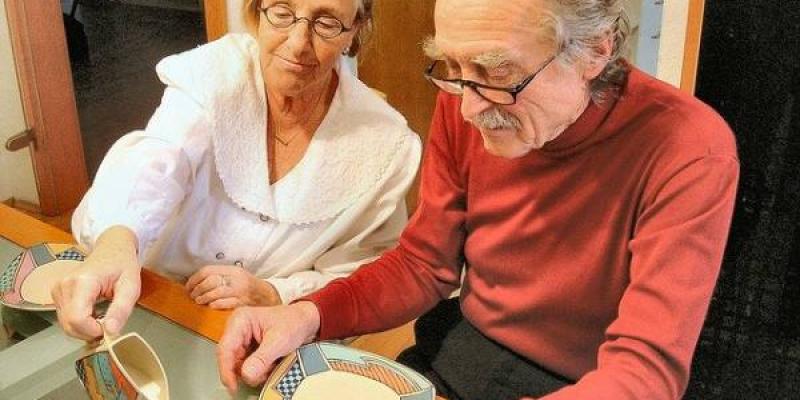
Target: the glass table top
(37, 362)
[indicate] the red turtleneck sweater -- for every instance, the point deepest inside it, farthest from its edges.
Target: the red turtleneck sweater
(595, 256)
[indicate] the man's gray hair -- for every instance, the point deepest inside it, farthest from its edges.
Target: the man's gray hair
(578, 28)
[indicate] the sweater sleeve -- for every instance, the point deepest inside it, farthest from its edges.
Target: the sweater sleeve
(422, 270)
(676, 253)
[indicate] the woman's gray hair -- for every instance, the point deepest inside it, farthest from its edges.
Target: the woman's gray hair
(578, 29)
(363, 18)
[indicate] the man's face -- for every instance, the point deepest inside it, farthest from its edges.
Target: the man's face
(500, 43)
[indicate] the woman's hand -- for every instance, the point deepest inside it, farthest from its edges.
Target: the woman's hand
(111, 271)
(273, 331)
(225, 286)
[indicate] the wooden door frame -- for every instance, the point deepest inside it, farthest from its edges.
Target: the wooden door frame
(216, 16)
(691, 48)
(45, 79)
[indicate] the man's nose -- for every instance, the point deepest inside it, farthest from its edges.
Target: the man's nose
(472, 104)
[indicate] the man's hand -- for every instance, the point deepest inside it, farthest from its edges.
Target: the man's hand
(226, 286)
(277, 331)
(111, 271)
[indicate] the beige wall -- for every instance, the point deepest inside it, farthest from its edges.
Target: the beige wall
(16, 169)
(673, 37)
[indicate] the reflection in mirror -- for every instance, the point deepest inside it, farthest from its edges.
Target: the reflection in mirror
(114, 47)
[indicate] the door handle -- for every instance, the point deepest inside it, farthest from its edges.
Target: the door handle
(21, 140)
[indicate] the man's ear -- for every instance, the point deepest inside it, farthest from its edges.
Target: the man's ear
(602, 51)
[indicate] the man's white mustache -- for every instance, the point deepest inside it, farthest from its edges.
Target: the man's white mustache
(496, 119)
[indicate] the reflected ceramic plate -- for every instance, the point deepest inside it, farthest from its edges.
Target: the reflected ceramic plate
(332, 372)
(27, 280)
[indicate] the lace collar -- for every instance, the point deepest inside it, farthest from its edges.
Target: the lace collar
(348, 155)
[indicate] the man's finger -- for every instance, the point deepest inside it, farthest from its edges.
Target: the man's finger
(231, 350)
(257, 366)
(228, 363)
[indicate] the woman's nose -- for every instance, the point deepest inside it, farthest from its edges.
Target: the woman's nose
(301, 34)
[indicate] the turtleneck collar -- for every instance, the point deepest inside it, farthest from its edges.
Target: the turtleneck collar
(589, 128)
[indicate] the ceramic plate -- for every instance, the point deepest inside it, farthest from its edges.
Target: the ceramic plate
(332, 372)
(27, 280)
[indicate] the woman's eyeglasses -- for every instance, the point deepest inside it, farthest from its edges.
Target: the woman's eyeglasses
(281, 16)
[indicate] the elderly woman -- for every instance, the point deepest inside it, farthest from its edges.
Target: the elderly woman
(267, 171)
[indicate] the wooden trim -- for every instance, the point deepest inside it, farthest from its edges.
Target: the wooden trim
(216, 16)
(389, 343)
(691, 48)
(61, 221)
(26, 231)
(159, 294)
(392, 62)
(170, 300)
(45, 78)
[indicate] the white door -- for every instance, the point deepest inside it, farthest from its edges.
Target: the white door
(16, 168)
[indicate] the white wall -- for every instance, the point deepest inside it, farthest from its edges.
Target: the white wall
(235, 16)
(16, 169)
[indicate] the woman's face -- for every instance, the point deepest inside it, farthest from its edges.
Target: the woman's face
(295, 58)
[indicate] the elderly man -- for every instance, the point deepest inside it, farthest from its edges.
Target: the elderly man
(586, 203)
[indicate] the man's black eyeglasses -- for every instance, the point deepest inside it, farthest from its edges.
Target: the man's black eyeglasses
(497, 95)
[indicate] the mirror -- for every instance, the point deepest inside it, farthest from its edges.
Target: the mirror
(113, 48)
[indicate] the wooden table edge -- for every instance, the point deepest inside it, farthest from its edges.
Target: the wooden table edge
(158, 294)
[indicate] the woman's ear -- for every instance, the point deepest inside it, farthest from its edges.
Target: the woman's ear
(355, 43)
(362, 29)
(353, 48)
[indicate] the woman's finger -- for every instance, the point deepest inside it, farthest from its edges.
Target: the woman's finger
(216, 293)
(207, 272)
(207, 285)
(78, 295)
(126, 292)
(225, 303)
(198, 277)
